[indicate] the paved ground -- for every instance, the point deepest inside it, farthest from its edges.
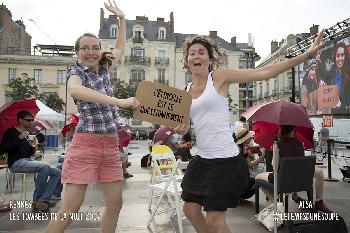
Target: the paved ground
(134, 214)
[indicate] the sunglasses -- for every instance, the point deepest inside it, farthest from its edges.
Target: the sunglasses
(29, 120)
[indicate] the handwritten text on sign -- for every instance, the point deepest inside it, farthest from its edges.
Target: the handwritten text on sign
(163, 105)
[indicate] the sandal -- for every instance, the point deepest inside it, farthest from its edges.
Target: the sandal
(127, 175)
(5, 207)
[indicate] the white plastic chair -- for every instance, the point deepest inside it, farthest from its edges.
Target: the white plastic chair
(165, 181)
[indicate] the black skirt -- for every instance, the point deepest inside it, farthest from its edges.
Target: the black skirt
(216, 184)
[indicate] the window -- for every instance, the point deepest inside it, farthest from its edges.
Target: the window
(188, 77)
(161, 33)
(61, 77)
(137, 76)
(113, 74)
(38, 75)
(137, 53)
(161, 76)
(12, 73)
(137, 37)
(114, 31)
(161, 53)
(47, 94)
(8, 99)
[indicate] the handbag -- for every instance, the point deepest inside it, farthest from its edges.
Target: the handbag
(266, 216)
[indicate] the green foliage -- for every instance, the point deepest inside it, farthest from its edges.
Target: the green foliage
(122, 90)
(23, 88)
(54, 102)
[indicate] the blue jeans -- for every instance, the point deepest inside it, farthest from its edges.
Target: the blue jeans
(47, 181)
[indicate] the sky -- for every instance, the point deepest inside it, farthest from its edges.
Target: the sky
(62, 21)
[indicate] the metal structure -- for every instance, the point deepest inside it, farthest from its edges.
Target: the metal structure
(331, 35)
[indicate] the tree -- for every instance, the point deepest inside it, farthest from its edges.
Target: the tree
(23, 88)
(54, 102)
(122, 90)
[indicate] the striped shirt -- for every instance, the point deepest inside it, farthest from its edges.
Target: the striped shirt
(94, 117)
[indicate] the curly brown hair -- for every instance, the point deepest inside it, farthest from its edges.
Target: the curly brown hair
(106, 59)
(213, 50)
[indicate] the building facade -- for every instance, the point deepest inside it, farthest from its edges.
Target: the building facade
(154, 53)
(281, 86)
(13, 36)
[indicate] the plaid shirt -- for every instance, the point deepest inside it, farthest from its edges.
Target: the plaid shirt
(94, 117)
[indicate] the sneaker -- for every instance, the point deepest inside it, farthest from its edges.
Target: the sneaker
(320, 206)
(55, 198)
(41, 206)
(298, 199)
(127, 175)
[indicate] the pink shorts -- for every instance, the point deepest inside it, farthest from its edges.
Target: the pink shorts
(91, 158)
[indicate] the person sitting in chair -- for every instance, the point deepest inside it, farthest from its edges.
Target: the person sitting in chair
(288, 147)
(22, 157)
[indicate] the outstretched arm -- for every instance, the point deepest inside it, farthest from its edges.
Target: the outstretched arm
(240, 76)
(120, 42)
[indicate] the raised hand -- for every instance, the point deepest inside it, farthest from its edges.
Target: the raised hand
(318, 44)
(112, 7)
(181, 129)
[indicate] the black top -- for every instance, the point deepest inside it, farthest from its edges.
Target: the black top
(40, 137)
(290, 147)
(15, 148)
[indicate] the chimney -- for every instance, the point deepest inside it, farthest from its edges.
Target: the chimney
(171, 22)
(282, 41)
(213, 33)
(274, 46)
(160, 20)
(142, 18)
(314, 29)
(233, 41)
(102, 17)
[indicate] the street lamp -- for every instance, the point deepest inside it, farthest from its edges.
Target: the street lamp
(251, 58)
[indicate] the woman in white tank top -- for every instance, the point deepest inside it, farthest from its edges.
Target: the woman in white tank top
(216, 177)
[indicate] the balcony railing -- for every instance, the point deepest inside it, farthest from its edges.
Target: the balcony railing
(137, 60)
(161, 61)
(164, 82)
(137, 40)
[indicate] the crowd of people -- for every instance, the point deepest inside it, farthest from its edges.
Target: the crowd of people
(329, 67)
(92, 153)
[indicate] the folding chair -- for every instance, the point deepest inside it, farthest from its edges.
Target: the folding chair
(165, 179)
(172, 189)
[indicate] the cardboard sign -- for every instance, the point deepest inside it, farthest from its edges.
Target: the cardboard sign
(328, 120)
(162, 105)
(327, 96)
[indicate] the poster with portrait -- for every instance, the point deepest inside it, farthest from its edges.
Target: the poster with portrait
(325, 80)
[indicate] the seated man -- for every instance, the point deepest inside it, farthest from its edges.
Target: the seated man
(22, 157)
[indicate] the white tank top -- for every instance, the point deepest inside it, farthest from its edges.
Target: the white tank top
(210, 116)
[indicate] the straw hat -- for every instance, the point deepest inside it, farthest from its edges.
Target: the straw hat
(242, 135)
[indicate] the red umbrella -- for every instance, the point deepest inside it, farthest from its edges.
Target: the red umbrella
(8, 113)
(124, 135)
(265, 133)
(72, 121)
(279, 112)
(40, 124)
(162, 134)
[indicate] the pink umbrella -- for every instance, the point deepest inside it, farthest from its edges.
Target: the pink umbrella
(279, 112)
(8, 113)
(124, 135)
(162, 134)
(265, 133)
(40, 124)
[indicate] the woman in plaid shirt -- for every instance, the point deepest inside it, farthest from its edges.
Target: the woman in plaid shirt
(93, 155)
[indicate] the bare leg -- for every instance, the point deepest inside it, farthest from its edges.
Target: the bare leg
(264, 176)
(112, 192)
(73, 198)
(319, 182)
(216, 221)
(193, 212)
